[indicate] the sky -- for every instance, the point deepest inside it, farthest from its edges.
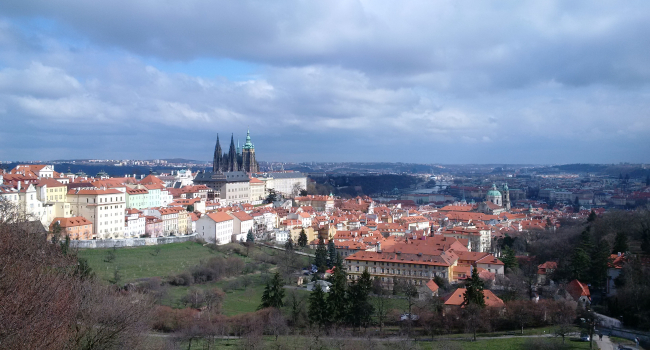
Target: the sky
(338, 80)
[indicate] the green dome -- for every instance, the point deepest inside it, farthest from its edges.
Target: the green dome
(494, 192)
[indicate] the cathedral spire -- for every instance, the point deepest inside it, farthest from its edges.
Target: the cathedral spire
(232, 155)
(217, 158)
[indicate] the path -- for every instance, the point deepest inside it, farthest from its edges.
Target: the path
(605, 344)
(280, 248)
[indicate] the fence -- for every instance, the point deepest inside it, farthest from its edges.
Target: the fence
(129, 242)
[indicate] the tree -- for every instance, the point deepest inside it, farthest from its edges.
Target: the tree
(645, 243)
(411, 294)
(56, 231)
(600, 260)
(360, 310)
(472, 316)
(195, 298)
(563, 315)
(249, 237)
(289, 244)
(580, 263)
(318, 311)
(51, 301)
(296, 307)
(272, 196)
(303, 193)
(273, 295)
(620, 243)
(331, 253)
(509, 258)
(321, 256)
(592, 216)
(190, 208)
(295, 190)
(302, 238)
(337, 298)
(474, 290)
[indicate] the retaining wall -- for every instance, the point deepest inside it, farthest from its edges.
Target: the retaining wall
(130, 242)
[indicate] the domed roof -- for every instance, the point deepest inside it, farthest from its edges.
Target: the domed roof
(494, 192)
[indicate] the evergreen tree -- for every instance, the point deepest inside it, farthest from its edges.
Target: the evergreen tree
(331, 253)
(249, 237)
(273, 293)
(190, 208)
(56, 232)
(620, 243)
(599, 264)
(289, 244)
(509, 258)
(580, 263)
(474, 290)
(337, 298)
(318, 312)
(585, 240)
(360, 309)
(302, 238)
(272, 196)
(645, 243)
(338, 263)
(592, 216)
(321, 256)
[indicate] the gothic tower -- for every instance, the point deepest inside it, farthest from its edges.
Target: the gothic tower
(249, 164)
(506, 197)
(232, 155)
(218, 157)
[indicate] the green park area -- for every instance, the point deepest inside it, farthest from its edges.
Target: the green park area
(243, 292)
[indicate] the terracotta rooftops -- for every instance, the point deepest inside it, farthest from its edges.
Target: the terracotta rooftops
(219, 217)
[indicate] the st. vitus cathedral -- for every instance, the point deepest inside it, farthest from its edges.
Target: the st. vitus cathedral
(235, 159)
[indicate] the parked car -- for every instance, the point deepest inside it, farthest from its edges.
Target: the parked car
(584, 337)
(408, 316)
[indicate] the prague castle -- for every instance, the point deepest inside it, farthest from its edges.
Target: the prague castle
(235, 159)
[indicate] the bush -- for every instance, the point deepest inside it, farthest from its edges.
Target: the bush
(171, 320)
(182, 279)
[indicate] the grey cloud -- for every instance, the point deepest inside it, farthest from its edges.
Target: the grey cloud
(471, 46)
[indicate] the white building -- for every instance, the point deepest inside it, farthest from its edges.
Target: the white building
(105, 208)
(134, 224)
(285, 183)
(215, 228)
(242, 223)
(266, 220)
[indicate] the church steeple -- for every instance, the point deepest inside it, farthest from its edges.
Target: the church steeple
(232, 155)
(217, 159)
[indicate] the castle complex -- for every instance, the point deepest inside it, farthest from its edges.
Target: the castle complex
(235, 159)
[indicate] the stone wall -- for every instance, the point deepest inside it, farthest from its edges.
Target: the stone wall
(130, 242)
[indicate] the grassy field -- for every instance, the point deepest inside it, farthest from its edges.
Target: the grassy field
(237, 301)
(300, 342)
(149, 261)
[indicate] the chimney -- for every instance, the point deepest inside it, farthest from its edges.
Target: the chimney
(19, 183)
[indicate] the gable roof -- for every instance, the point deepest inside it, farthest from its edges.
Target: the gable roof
(457, 298)
(219, 216)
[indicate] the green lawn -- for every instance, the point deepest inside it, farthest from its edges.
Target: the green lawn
(237, 301)
(149, 261)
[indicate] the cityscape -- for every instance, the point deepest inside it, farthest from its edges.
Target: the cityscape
(339, 175)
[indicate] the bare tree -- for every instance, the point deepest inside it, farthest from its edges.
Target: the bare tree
(195, 298)
(277, 323)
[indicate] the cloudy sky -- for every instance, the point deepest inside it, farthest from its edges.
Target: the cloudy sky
(416, 81)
